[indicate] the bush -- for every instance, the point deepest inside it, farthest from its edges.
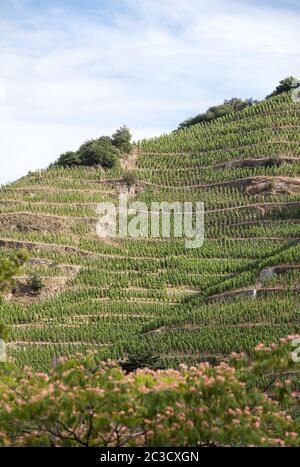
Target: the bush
(36, 283)
(84, 402)
(99, 152)
(285, 85)
(68, 159)
(122, 139)
(229, 106)
(139, 360)
(130, 178)
(104, 151)
(9, 267)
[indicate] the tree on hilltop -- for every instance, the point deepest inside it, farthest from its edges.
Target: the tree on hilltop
(99, 152)
(285, 85)
(232, 105)
(68, 159)
(104, 151)
(122, 139)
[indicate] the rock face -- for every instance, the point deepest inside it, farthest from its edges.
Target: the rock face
(43, 223)
(274, 186)
(28, 222)
(129, 161)
(266, 274)
(264, 162)
(271, 271)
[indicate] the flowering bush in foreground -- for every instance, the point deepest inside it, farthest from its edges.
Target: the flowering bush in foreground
(84, 402)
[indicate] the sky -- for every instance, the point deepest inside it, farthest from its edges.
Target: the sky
(72, 70)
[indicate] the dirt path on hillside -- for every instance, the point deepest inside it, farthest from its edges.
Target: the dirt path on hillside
(129, 162)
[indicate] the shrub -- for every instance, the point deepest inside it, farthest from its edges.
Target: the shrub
(122, 139)
(9, 267)
(84, 402)
(68, 159)
(139, 360)
(36, 283)
(99, 152)
(103, 151)
(130, 178)
(285, 85)
(229, 106)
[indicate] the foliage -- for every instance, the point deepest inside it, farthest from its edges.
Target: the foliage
(103, 151)
(99, 152)
(68, 159)
(94, 152)
(130, 178)
(285, 85)
(122, 139)
(3, 332)
(36, 283)
(135, 361)
(236, 105)
(83, 402)
(9, 267)
(232, 105)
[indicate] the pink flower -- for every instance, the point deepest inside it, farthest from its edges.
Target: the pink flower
(220, 379)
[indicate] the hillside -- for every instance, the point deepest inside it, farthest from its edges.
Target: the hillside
(154, 296)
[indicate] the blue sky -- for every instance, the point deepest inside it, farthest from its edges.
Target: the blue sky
(76, 69)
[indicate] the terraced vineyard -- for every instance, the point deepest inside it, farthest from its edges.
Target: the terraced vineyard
(153, 296)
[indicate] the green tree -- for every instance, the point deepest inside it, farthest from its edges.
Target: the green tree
(285, 85)
(68, 159)
(122, 139)
(138, 360)
(36, 283)
(99, 152)
(103, 151)
(9, 267)
(229, 106)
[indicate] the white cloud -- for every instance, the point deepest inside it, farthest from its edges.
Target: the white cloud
(70, 77)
